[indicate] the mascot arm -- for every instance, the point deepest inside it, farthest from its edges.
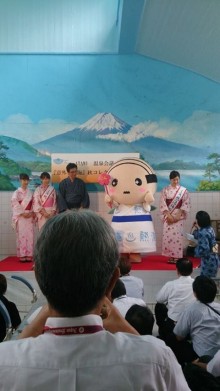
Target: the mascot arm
(148, 199)
(110, 202)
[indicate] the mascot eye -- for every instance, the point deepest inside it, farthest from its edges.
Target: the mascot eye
(138, 182)
(114, 182)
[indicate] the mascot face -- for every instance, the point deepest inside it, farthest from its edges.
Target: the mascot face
(130, 180)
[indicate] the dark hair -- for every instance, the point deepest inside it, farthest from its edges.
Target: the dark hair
(141, 318)
(203, 219)
(45, 175)
(205, 289)
(174, 174)
(24, 176)
(124, 265)
(71, 166)
(184, 266)
(75, 257)
(118, 290)
(3, 284)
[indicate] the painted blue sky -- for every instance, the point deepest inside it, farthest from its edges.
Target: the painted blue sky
(45, 95)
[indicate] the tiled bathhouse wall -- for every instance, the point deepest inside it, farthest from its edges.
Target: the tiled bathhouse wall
(209, 201)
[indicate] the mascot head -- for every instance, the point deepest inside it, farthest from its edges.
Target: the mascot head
(131, 181)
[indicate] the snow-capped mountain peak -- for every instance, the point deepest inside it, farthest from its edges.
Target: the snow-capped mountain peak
(102, 121)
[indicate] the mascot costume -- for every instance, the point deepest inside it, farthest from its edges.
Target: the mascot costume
(130, 185)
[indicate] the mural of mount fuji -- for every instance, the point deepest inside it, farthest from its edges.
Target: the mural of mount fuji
(108, 104)
(107, 133)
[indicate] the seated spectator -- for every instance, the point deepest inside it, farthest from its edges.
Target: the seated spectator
(10, 306)
(174, 297)
(203, 374)
(120, 299)
(200, 321)
(141, 318)
(134, 285)
(75, 348)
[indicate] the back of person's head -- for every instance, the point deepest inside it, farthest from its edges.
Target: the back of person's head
(205, 289)
(141, 318)
(124, 265)
(184, 266)
(45, 175)
(118, 290)
(75, 258)
(24, 176)
(71, 166)
(203, 219)
(174, 174)
(3, 284)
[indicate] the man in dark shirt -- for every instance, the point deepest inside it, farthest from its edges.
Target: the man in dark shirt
(10, 306)
(72, 191)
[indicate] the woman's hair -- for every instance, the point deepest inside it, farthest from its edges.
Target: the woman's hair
(174, 174)
(203, 219)
(45, 175)
(24, 176)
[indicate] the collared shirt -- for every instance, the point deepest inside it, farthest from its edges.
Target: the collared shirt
(203, 325)
(89, 362)
(123, 303)
(213, 366)
(134, 286)
(177, 295)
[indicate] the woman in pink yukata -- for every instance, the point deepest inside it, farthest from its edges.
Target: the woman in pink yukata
(23, 219)
(174, 208)
(44, 204)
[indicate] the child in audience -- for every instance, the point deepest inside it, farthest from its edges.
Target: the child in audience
(23, 219)
(120, 299)
(134, 285)
(44, 204)
(141, 318)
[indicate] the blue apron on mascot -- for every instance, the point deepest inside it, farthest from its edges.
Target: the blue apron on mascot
(130, 185)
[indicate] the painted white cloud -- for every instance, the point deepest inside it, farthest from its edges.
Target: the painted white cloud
(201, 128)
(21, 127)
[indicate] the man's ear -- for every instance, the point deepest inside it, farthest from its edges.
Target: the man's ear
(112, 282)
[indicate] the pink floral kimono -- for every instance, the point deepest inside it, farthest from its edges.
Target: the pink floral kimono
(22, 203)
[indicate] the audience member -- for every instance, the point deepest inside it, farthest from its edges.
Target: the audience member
(22, 219)
(141, 318)
(44, 204)
(10, 306)
(201, 375)
(120, 299)
(174, 297)
(200, 321)
(207, 248)
(76, 259)
(72, 192)
(134, 285)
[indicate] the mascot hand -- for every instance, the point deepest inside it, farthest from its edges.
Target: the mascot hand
(108, 200)
(148, 199)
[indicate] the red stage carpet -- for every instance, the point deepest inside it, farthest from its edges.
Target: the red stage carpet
(150, 262)
(158, 262)
(12, 264)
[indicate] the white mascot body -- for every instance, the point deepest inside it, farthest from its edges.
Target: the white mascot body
(130, 185)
